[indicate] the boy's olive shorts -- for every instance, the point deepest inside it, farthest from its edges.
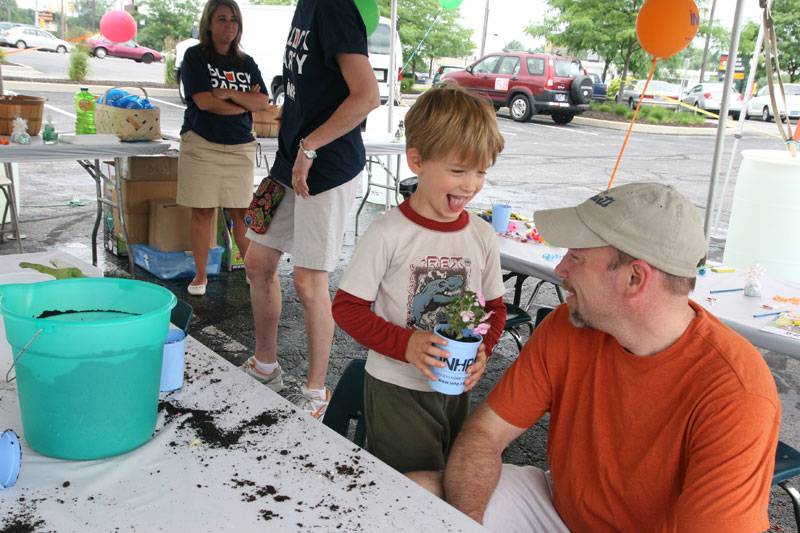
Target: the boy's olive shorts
(411, 430)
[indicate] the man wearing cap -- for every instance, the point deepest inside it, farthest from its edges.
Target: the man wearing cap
(661, 418)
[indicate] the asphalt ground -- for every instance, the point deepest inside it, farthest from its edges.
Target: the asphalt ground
(51, 219)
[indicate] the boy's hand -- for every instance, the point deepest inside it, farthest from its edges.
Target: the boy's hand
(421, 352)
(475, 370)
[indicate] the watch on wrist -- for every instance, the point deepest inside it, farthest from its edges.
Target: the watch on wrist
(310, 154)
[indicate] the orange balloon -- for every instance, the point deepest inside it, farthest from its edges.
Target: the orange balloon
(665, 27)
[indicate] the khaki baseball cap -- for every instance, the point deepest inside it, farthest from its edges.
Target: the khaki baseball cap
(649, 221)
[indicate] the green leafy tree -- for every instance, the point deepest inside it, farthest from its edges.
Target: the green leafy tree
(514, 45)
(10, 11)
(167, 18)
(447, 38)
(787, 30)
(607, 27)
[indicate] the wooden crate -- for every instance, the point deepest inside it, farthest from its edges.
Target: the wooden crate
(30, 108)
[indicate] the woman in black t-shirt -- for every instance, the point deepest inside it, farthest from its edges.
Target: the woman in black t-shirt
(222, 86)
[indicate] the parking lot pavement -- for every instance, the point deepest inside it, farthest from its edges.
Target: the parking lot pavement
(534, 174)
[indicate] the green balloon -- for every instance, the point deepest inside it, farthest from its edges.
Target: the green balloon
(450, 4)
(369, 14)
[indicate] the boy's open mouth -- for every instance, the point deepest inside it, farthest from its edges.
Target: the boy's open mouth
(457, 203)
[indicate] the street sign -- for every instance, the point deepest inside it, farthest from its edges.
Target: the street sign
(46, 16)
(723, 64)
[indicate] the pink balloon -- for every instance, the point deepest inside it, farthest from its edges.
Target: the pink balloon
(118, 26)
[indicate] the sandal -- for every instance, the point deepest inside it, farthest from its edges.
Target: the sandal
(196, 290)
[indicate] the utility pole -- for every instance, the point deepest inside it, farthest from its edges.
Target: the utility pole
(708, 37)
(485, 25)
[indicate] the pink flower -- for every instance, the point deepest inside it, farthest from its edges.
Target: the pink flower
(485, 318)
(481, 299)
(466, 316)
(481, 329)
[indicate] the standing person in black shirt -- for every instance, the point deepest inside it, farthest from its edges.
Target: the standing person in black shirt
(330, 89)
(215, 169)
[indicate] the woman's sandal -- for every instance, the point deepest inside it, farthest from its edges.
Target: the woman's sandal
(196, 290)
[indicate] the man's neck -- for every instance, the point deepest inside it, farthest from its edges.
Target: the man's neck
(653, 330)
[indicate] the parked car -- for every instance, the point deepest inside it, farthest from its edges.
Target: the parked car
(656, 94)
(102, 47)
(600, 88)
(421, 77)
(4, 25)
(761, 103)
(708, 97)
(528, 84)
(32, 37)
(444, 69)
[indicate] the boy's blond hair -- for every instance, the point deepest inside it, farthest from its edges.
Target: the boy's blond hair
(448, 119)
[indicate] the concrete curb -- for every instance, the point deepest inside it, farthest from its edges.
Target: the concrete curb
(73, 87)
(649, 128)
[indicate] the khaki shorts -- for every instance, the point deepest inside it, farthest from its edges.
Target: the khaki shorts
(523, 501)
(311, 229)
(215, 175)
(411, 430)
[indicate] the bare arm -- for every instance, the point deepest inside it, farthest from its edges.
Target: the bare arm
(363, 98)
(473, 468)
(208, 102)
(254, 100)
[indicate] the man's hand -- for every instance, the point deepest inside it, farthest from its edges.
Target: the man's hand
(421, 352)
(476, 369)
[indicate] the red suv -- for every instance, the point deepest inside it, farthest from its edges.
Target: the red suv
(529, 84)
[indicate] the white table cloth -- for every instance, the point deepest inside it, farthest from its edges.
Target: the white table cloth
(228, 454)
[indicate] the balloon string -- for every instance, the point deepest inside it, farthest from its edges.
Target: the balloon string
(638, 105)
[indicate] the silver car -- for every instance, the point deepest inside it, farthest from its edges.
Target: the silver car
(761, 103)
(708, 97)
(658, 94)
(31, 37)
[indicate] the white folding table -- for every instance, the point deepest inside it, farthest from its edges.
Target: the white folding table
(228, 454)
(88, 156)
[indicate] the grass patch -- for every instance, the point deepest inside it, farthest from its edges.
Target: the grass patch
(621, 110)
(78, 68)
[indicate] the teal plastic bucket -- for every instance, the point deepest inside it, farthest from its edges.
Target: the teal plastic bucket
(89, 380)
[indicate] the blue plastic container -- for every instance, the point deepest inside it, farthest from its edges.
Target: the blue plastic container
(10, 458)
(172, 265)
(172, 368)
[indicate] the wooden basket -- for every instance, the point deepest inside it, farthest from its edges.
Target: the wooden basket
(266, 123)
(27, 107)
(128, 124)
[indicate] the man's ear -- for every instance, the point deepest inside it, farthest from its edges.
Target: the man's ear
(641, 275)
(414, 160)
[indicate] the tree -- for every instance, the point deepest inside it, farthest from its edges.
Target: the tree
(787, 30)
(167, 18)
(446, 39)
(514, 45)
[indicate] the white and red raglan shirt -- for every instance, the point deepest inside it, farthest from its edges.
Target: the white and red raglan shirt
(404, 271)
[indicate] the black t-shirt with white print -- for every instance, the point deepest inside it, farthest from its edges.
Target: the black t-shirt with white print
(199, 75)
(314, 88)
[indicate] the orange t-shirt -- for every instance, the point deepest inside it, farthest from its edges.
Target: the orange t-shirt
(683, 440)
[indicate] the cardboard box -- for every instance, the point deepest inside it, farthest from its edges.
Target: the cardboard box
(163, 167)
(170, 227)
(136, 197)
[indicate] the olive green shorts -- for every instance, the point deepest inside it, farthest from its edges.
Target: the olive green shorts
(411, 430)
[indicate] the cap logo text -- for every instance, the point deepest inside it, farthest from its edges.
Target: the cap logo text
(602, 200)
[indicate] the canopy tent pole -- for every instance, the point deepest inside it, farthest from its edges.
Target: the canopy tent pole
(392, 74)
(742, 117)
(723, 117)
